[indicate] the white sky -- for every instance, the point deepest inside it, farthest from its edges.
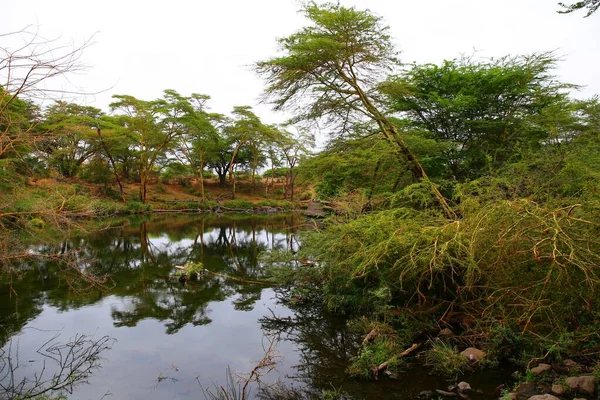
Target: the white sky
(144, 47)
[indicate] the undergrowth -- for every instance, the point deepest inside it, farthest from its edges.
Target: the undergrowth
(517, 273)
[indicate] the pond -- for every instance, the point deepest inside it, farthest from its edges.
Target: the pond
(171, 339)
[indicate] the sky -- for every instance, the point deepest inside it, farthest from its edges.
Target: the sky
(144, 47)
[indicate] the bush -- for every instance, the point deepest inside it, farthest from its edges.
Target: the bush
(275, 204)
(208, 174)
(137, 207)
(330, 187)
(372, 355)
(37, 223)
(242, 176)
(96, 171)
(305, 196)
(160, 188)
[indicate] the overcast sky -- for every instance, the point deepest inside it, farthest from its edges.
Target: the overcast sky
(144, 47)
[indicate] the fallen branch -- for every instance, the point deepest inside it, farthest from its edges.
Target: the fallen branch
(383, 366)
(370, 336)
(237, 279)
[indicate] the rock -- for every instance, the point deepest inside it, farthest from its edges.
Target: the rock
(541, 368)
(473, 354)
(543, 387)
(570, 363)
(391, 375)
(516, 375)
(445, 394)
(512, 396)
(543, 397)
(446, 332)
(464, 387)
(315, 210)
(582, 384)
(558, 390)
(526, 390)
(452, 388)
(426, 394)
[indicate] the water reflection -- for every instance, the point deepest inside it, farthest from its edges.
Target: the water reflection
(139, 257)
(186, 331)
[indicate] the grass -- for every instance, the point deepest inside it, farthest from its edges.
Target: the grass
(445, 359)
(372, 355)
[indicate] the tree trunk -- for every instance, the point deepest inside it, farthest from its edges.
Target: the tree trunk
(390, 132)
(372, 186)
(272, 175)
(235, 151)
(202, 176)
(252, 181)
(292, 184)
(233, 188)
(222, 177)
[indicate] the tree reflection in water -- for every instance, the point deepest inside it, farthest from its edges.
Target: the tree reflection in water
(139, 257)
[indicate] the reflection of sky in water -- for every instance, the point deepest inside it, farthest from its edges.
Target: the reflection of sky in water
(143, 352)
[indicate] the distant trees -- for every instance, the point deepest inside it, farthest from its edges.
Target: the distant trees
(71, 139)
(162, 128)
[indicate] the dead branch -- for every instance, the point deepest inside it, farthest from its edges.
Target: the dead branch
(383, 366)
(72, 363)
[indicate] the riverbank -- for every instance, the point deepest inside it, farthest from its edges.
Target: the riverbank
(77, 199)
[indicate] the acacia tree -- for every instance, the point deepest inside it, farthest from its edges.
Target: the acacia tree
(152, 126)
(246, 128)
(115, 144)
(293, 148)
(331, 71)
(481, 109)
(197, 133)
(70, 135)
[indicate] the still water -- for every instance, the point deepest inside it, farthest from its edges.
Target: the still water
(172, 339)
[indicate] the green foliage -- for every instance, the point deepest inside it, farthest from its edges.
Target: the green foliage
(137, 207)
(417, 196)
(276, 172)
(445, 359)
(37, 223)
(177, 173)
(482, 110)
(523, 257)
(238, 204)
(96, 171)
(372, 355)
(194, 267)
(286, 205)
(330, 187)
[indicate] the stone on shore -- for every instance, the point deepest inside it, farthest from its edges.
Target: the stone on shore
(473, 354)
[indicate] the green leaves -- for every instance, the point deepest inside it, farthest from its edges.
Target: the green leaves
(484, 109)
(327, 66)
